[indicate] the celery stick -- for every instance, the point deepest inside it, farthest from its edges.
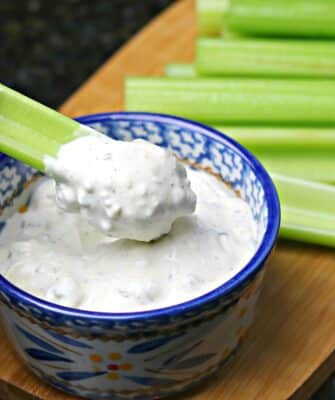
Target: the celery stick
(303, 152)
(314, 167)
(180, 70)
(227, 34)
(25, 144)
(274, 139)
(33, 115)
(236, 101)
(30, 130)
(296, 18)
(307, 210)
(210, 14)
(265, 58)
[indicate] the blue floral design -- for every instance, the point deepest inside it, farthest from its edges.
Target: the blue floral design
(152, 344)
(70, 341)
(38, 341)
(42, 355)
(78, 376)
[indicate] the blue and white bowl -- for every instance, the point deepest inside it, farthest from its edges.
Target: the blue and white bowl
(150, 354)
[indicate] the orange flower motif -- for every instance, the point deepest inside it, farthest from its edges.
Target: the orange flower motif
(95, 358)
(111, 367)
(23, 208)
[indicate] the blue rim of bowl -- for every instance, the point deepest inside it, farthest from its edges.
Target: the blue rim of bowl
(251, 268)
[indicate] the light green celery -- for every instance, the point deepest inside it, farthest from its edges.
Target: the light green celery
(25, 144)
(303, 152)
(265, 58)
(236, 101)
(315, 167)
(209, 15)
(275, 139)
(181, 70)
(30, 130)
(293, 18)
(33, 115)
(227, 34)
(307, 210)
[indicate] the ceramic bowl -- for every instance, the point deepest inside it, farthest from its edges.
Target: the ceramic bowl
(150, 354)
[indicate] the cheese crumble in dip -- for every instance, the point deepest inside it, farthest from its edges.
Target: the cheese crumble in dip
(132, 190)
(60, 257)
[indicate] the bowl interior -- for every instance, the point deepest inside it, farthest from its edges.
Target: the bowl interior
(194, 143)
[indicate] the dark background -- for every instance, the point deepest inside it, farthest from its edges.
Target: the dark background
(49, 47)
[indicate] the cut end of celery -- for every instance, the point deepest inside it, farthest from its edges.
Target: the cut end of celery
(307, 210)
(180, 70)
(209, 14)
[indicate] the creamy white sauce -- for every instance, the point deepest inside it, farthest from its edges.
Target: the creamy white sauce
(132, 190)
(59, 257)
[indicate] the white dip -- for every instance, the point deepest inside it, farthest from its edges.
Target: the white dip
(132, 190)
(61, 258)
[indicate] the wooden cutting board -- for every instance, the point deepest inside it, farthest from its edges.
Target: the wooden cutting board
(291, 347)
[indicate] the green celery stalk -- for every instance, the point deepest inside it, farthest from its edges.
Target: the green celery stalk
(29, 130)
(25, 144)
(319, 167)
(265, 58)
(236, 101)
(35, 116)
(289, 18)
(182, 70)
(209, 15)
(280, 139)
(307, 153)
(307, 210)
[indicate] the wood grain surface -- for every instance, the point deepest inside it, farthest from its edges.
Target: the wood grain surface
(290, 350)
